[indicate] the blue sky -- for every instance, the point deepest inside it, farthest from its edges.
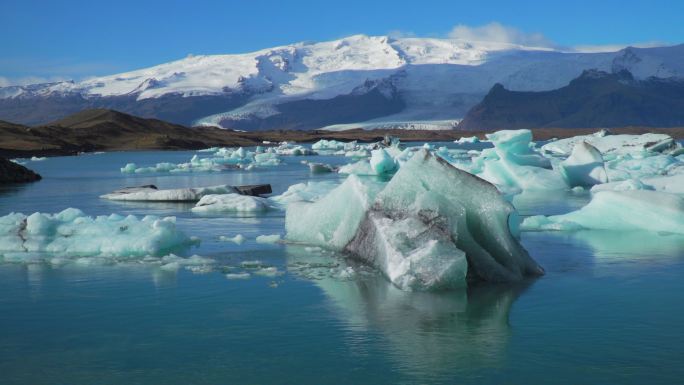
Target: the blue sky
(73, 39)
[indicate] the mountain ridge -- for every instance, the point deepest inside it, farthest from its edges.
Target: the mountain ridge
(433, 80)
(595, 99)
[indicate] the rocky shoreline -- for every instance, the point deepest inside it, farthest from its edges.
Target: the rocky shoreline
(11, 172)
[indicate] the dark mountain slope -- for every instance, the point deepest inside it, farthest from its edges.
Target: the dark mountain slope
(594, 99)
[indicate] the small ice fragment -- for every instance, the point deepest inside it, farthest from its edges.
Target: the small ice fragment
(268, 238)
(238, 239)
(233, 276)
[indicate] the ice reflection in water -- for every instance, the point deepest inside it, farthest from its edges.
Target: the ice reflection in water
(430, 333)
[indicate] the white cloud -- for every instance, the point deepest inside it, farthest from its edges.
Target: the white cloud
(499, 33)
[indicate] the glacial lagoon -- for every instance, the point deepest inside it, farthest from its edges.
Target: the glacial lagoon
(607, 310)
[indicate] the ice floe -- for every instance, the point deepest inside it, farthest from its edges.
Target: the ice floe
(619, 210)
(237, 239)
(71, 233)
(273, 238)
(222, 159)
(607, 143)
(232, 203)
(151, 193)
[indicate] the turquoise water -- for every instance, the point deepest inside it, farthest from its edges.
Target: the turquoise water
(609, 309)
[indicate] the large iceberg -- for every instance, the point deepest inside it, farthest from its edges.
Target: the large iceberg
(71, 233)
(432, 226)
(619, 210)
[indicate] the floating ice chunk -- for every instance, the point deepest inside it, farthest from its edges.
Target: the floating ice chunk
(233, 276)
(584, 167)
(381, 162)
(222, 159)
(607, 144)
(433, 224)
(515, 146)
(173, 262)
(673, 184)
(232, 202)
(619, 210)
(329, 145)
(309, 191)
(273, 238)
(149, 193)
(320, 168)
(507, 174)
(331, 221)
(269, 271)
(71, 233)
(291, 149)
(513, 165)
(467, 139)
(238, 239)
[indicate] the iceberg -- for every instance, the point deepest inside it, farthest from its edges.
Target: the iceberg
(513, 165)
(232, 203)
(381, 162)
(151, 193)
(584, 167)
(619, 210)
(71, 233)
(432, 226)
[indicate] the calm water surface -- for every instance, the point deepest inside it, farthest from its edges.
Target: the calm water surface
(609, 309)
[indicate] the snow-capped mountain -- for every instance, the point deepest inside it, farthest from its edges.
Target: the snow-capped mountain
(356, 81)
